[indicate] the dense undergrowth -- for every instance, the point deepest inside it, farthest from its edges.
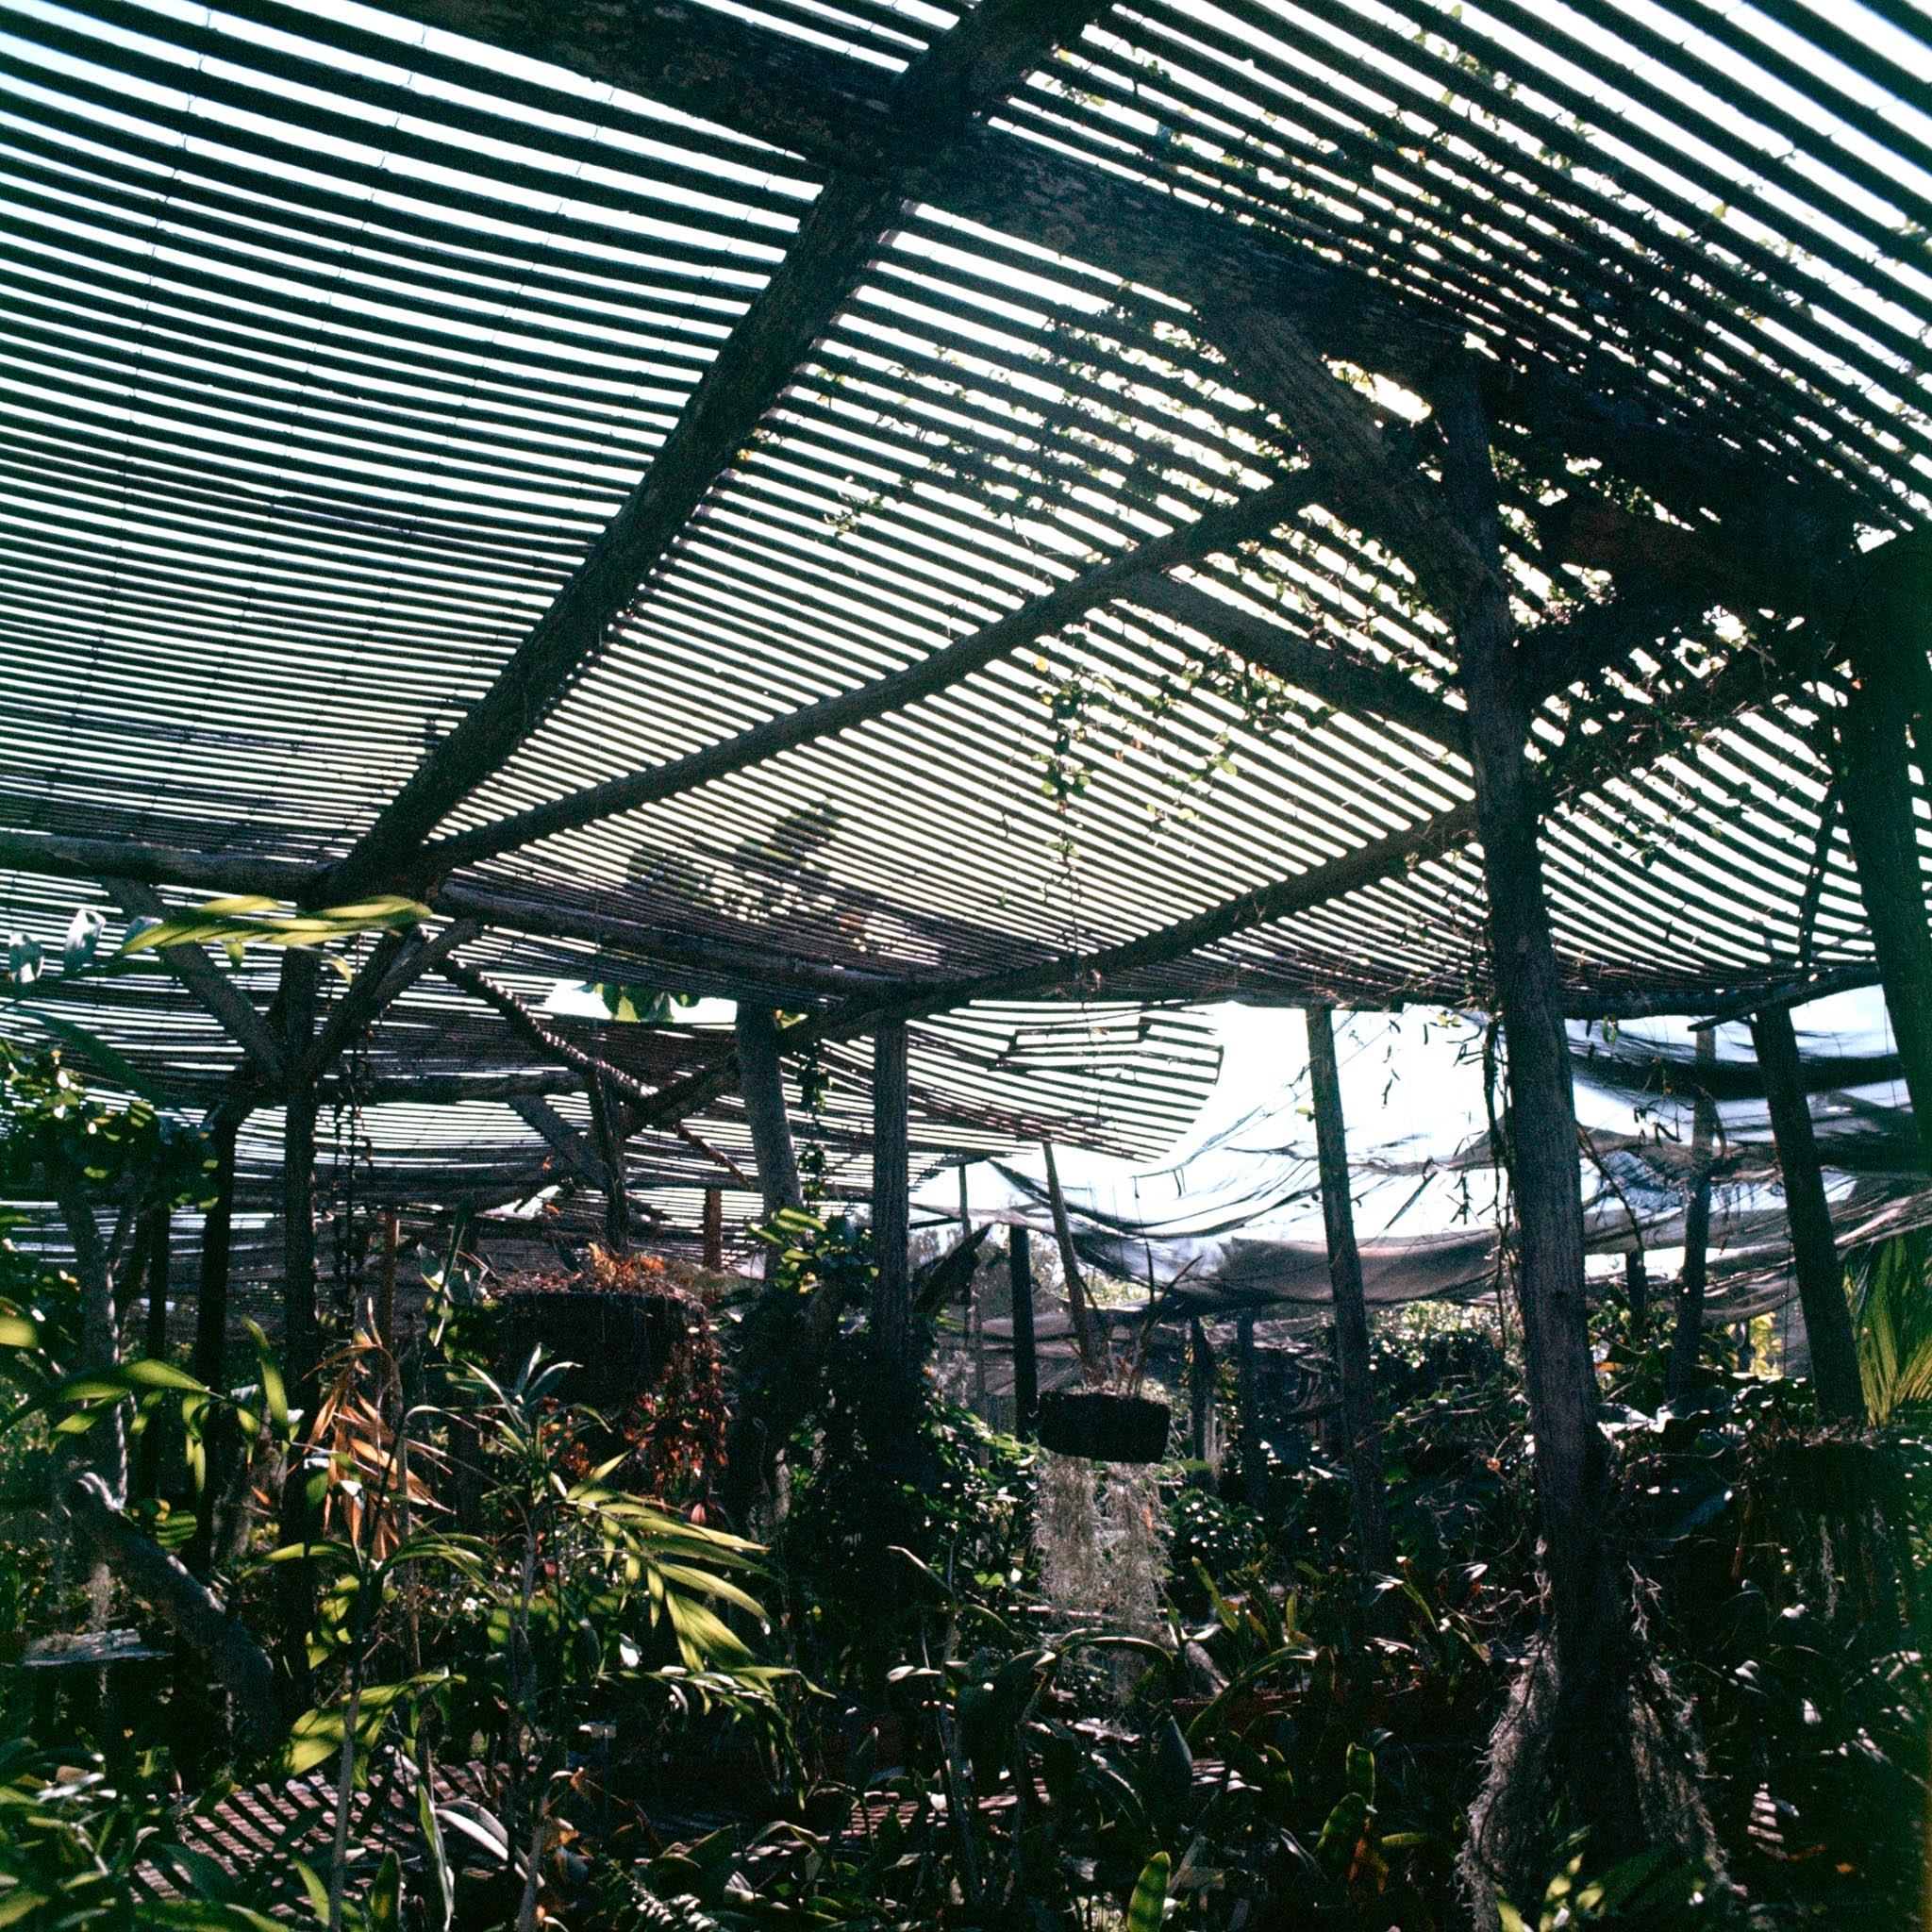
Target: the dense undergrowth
(531, 1695)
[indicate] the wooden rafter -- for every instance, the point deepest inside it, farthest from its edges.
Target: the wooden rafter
(1138, 574)
(218, 993)
(831, 111)
(930, 106)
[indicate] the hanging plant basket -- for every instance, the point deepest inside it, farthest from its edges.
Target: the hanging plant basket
(619, 1341)
(1103, 1426)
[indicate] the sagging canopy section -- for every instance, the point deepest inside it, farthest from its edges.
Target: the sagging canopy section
(880, 516)
(1231, 1221)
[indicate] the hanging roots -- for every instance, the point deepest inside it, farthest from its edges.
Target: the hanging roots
(1638, 1733)
(1100, 1543)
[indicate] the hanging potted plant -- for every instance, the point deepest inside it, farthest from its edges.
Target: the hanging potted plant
(619, 1324)
(1110, 1420)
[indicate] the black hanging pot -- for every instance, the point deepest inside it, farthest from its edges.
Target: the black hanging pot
(1102, 1426)
(619, 1341)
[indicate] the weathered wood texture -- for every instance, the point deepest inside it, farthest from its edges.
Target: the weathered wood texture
(1374, 1550)
(892, 1298)
(1814, 1249)
(1589, 1626)
(1026, 1354)
(1890, 630)
(1686, 1337)
(762, 1075)
(932, 103)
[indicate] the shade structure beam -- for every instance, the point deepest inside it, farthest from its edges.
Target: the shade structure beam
(833, 113)
(213, 988)
(931, 104)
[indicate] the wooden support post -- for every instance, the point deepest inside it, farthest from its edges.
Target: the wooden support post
(1205, 1446)
(302, 1337)
(1686, 1337)
(1025, 1358)
(608, 1138)
(161, 1228)
(714, 1230)
(1637, 1288)
(302, 1334)
(1572, 1457)
(211, 1335)
(1814, 1251)
(1248, 1411)
(892, 1300)
(1374, 1551)
(1585, 1654)
(1888, 631)
(386, 1280)
(761, 1074)
(211, 1296)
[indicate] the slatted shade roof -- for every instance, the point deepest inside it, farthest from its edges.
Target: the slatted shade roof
(879, 510)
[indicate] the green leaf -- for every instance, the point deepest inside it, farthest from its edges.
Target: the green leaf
(110, 1061)
(1149, 1903)
(16, 1331)
(386, 1895)
(437, 1853)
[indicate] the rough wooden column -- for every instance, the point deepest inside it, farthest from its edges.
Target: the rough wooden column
(1637, 1288)
(607, 1136)
(712, 1230)
(1248, 1411)
(302, 1337)
(1025, 1359)
(1375, 1550)
(161, 1220)
(212, 1295)
(1572, 1458)
(386, 1280)
(892, 1299)
(302, 1334)
(1206, 1448)
(1888, 631)
(1686, 1337)
(1814, 1251)
(161, 1229)
(1572, 1727)
(762, 1078)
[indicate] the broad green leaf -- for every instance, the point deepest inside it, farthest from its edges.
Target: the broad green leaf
(1149, 1903)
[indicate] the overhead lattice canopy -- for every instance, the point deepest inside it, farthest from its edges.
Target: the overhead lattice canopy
(879, 513)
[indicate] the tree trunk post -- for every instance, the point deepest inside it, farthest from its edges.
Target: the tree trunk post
(712, 1230)
(892, 1298)
(1025, 1359)
(1574, 1699)
(1890, 624)
(1686, 1337)
(1248, 1412)
(1814, 1251)
(1375, 1550)
(211, 1335)
(161, 1229)
(1637, 1288)
(761, 1075)
(386, 1280)
(302, 1335)
(1205, 1448)
(608, 1141)
(159, 1220)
